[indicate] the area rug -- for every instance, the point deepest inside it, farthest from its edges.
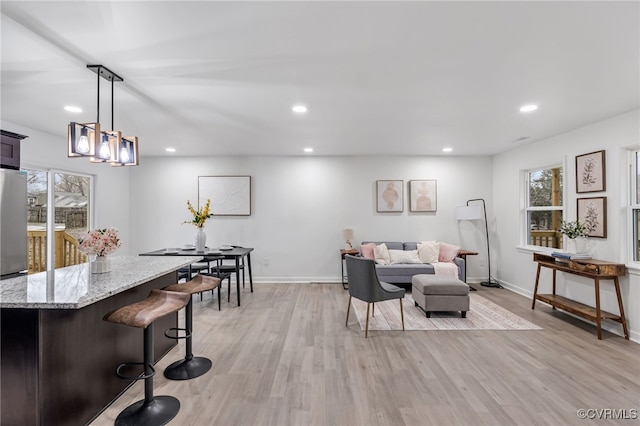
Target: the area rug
(482, 315)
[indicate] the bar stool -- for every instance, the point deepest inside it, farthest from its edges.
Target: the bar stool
(151, 410)
(190, 367)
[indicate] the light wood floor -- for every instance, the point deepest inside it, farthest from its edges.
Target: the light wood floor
(285, 358)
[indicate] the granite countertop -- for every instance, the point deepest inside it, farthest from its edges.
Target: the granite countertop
(75, 286)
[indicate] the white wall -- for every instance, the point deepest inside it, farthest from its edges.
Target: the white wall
(301, 204)
(111, 202)
(516, 269)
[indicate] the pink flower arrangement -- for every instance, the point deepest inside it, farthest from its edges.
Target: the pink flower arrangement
(100, 242)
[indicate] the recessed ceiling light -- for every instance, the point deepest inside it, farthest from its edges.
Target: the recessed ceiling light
(447, 149)
(170, 149)
(528, 108)
(299, 109)
(71, 108)
(308, 150)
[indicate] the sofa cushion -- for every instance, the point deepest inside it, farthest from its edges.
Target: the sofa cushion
(381, 254)
(428, 251)
(404, 256)
(410, 246)
(392, 245)
(367, 250)
(448, 252)
(402, 272)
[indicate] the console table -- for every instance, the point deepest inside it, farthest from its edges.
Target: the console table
(595, 269)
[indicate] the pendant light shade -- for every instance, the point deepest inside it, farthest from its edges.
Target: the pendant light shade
(82, 139)
(128, 152)
(102, 146)
(107, 150)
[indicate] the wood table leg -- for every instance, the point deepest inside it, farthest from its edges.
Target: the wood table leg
(535, 288)
(598, 315)
(623, 320)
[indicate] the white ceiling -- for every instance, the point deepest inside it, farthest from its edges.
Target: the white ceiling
(381, 78)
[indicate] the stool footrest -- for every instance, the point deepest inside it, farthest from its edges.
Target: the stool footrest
(177, 330)
(130, 364)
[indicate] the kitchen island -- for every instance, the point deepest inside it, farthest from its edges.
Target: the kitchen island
(58, 356)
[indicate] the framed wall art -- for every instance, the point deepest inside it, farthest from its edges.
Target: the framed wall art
(590, 172)
(423, 195)
(389, 196)
(593, 212)
(229, 195)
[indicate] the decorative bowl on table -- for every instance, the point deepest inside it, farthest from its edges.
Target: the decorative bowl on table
(226, 247)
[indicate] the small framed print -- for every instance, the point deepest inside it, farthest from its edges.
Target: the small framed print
(590, 172)
(423, 196)
(593, 212)
(389, 197)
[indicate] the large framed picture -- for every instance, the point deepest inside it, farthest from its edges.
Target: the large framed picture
(229, 195)
(389, 196)
(591, 172)
(593, 212)
(423, 195)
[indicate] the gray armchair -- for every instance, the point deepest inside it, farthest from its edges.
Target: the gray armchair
(364, 285)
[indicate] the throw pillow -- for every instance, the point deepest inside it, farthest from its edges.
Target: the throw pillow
(381, 254)
(404, 256)
(448, 252)
(429, 251)
(367, 250)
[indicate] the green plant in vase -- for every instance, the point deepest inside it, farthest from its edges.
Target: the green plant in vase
(577, 232)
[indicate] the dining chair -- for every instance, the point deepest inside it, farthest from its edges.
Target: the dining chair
(230, 268)
(365, 285)
(216, 271)
(196, 268)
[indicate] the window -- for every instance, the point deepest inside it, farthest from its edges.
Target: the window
(36, 220)
(544, 207)
(634, 177)
(70, 217)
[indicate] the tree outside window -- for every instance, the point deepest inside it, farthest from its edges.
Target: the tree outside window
(544, 207)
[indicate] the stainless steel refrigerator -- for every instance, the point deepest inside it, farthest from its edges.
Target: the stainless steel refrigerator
(13, 221)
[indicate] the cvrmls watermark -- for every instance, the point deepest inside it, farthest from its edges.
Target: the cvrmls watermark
(608, 413)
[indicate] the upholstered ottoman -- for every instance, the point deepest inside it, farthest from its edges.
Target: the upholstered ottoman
(436, 293)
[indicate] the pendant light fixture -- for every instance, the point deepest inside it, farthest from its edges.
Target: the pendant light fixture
(102, 146)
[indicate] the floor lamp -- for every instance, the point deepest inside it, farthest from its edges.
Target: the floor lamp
(474, 213)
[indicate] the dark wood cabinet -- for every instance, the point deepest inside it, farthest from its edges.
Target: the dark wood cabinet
(10, 150)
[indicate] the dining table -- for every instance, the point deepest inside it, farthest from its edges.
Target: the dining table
(231, 252)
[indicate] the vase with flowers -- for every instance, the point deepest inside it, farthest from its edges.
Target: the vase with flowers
(577, 232)
(100, 243)
(200, 216)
